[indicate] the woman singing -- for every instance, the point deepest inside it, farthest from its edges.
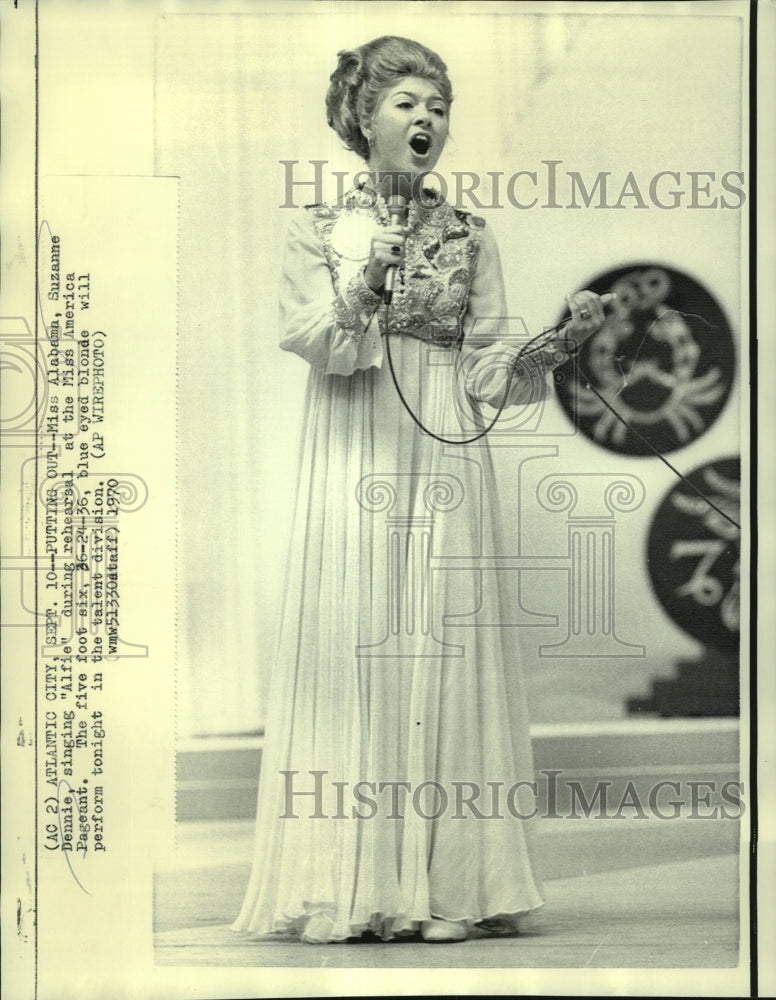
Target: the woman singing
(394, 789)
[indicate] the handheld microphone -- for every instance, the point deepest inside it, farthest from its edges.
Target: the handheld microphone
(397, 207)
(397, 204)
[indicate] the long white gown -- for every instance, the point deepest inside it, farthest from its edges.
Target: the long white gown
(378, 680)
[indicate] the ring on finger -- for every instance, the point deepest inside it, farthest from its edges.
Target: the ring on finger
(395, 250)
(584, 313)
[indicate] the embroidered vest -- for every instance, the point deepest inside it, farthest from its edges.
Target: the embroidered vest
(432, 286)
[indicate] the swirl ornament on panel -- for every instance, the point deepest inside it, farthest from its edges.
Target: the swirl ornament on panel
(694, 555)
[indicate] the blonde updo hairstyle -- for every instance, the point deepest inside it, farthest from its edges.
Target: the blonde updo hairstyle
(363, 74)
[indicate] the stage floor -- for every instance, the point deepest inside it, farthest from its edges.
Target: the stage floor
(620, 894)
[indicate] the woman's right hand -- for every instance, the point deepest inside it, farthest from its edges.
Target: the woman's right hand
(388, 246)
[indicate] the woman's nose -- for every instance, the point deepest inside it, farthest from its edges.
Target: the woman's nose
(422, 117)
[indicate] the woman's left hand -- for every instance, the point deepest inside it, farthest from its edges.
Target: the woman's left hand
(587, 314)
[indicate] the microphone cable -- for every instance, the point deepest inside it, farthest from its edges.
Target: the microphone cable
(408, 408)
(531, 347)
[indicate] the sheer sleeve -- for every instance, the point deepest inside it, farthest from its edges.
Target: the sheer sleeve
(336, 333)
(487, 358)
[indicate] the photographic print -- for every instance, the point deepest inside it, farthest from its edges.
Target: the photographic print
(379, 459)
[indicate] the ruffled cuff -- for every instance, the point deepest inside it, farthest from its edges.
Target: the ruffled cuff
(355, 306)
(499, 370)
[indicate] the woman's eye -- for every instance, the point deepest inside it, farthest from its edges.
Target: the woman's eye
(404, 104)
(438, 111)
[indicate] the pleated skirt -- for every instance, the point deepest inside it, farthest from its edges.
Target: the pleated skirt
(396, 771)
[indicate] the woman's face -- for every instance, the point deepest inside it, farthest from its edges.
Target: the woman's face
(409, 129)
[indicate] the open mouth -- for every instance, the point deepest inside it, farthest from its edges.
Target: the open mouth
(420, 144)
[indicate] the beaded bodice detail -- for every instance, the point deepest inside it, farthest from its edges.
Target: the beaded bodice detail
(431, 289)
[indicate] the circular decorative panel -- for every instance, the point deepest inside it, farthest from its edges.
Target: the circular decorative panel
(664, 360)
(694, 554)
